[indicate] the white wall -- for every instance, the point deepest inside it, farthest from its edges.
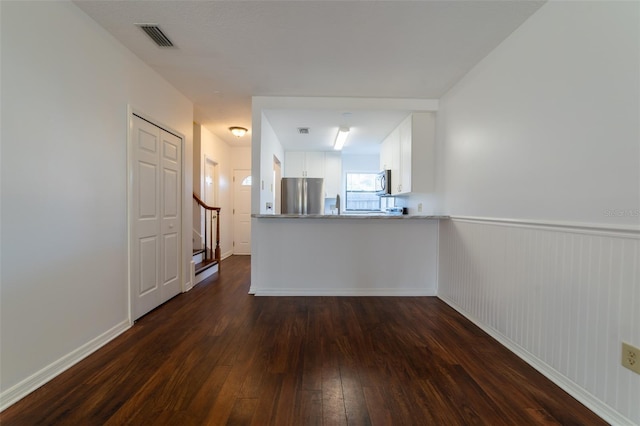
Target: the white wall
(543, 134)
(420, 203)
(219, 152)
(64, 288)
(241, 158)
(367, 163)
(546, 127)
(270, 147)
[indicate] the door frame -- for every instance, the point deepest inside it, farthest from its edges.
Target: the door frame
(131, 111)
(216, 179)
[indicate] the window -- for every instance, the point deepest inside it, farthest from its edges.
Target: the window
(360, 193)
(246, 181)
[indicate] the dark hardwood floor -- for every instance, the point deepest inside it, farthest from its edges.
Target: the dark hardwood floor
(218, 356)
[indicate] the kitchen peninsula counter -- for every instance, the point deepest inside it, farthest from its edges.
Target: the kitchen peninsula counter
(347, 216)
(344, 255)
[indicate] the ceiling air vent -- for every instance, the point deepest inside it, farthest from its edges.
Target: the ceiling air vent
(303, 130)
(156, 34)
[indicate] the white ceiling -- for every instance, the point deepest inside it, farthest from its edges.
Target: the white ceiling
(228, 51)
(367, 128)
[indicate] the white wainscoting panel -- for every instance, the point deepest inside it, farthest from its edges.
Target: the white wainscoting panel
(561, 296)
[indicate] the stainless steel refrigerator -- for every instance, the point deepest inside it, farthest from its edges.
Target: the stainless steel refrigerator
(302, 196)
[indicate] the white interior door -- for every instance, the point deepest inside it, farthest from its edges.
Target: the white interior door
(171, 190)
(242, 212)
(156, 222)
(210, 197)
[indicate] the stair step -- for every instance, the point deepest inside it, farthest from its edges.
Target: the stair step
(198, 254)
(204, 265)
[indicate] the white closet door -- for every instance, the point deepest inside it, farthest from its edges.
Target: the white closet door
(156, 216)
(171, 223)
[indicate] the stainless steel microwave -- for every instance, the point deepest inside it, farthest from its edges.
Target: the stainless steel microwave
(383, 183)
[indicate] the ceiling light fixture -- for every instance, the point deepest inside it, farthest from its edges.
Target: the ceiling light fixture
(341, 138)
(238, 131)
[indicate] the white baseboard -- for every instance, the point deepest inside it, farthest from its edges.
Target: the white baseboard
(187, 286)
(33, 382)
(344, 292)
(192, 277)
(588, 400)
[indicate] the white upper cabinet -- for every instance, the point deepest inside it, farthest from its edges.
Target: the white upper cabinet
(294, 164)
(304, 164)
(406, 149)
(408, 152)
(316, 164)
(390, 156)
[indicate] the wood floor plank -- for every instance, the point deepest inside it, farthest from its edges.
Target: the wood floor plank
(378, 406)
(333, 409)
(208, 393)
(355, 405)
(243, 411)
(218, 356)
(309, 408)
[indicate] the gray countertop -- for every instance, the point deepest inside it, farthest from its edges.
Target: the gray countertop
(381, 216)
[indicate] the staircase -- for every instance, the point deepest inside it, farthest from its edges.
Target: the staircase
(206, 260)
(204, 266)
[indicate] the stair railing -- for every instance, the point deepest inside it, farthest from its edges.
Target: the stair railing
(213, 214)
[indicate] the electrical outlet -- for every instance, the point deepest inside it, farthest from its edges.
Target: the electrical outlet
(420, 208)
(631, 357)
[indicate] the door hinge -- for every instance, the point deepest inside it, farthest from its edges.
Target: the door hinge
(234, 178)
(234, 244)
(234, 211)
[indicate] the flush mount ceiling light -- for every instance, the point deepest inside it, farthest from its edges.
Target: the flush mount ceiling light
(238, 131)
(341, 138)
